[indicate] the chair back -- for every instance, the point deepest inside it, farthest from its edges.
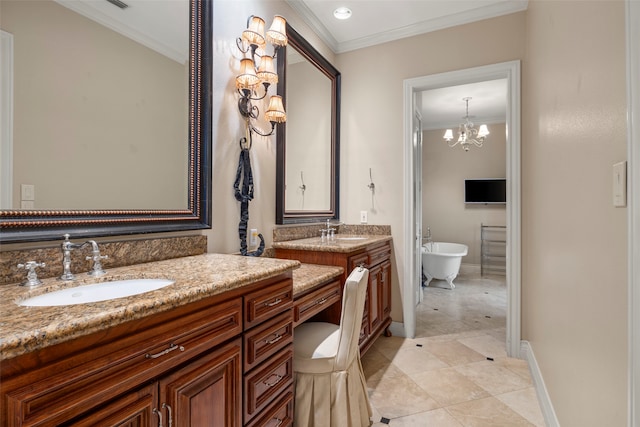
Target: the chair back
(353, 298)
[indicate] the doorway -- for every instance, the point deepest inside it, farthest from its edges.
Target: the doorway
(413, 192)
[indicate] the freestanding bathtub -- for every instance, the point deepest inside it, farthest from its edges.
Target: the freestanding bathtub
(442, 260)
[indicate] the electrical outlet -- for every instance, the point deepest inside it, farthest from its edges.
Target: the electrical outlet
(363, 217)
(253, 238)
(27, 192)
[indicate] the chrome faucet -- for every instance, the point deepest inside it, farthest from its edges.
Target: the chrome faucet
(68, 246)
(428, 236)
(97, 269)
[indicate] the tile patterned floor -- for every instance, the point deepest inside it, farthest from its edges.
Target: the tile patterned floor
(456, 372)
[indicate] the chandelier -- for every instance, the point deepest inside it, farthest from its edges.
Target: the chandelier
(258, 70)
(467, 134)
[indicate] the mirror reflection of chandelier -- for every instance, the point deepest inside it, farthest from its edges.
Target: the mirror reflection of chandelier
(467, 134)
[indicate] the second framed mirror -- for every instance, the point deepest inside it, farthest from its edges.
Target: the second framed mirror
(308, 144)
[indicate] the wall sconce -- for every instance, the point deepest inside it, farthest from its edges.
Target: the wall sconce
(259, 69)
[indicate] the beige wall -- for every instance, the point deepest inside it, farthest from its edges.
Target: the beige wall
(372, 115)
(230, 17)
(574, 281)
(87, 101)
(573, 111)
(444, 170)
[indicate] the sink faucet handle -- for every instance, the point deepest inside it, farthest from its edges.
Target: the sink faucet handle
(97, 269)
(32, 276)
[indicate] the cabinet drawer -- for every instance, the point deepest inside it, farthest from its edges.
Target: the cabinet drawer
(263, 341)
(316, 301)
(268, 381)
(265, 303)
(147, 354)
(279, 414)
(379, 254)
(356, 260)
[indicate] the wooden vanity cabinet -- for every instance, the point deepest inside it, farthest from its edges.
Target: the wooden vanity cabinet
(187, 366)
(268, 360)
(377, 258)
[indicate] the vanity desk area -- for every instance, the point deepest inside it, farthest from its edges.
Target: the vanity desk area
(348, 252)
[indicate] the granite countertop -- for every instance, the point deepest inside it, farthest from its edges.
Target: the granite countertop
(309, 276)
(342, 243)
(25, 329)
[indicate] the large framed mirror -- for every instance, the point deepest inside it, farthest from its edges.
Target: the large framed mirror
(308, 144)
(111, 119)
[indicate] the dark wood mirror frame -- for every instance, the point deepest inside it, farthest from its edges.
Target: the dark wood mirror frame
(25, 226)
(314, 57)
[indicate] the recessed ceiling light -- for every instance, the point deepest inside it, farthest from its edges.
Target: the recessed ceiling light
(342, 13)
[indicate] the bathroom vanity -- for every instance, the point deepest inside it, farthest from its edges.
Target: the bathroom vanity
(348, 252)
(214, 348)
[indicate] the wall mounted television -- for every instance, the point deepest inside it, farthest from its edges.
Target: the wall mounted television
(485, 191)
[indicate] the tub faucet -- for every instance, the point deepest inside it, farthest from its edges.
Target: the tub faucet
(428, 236)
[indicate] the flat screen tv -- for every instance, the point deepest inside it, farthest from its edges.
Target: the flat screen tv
(485, 191)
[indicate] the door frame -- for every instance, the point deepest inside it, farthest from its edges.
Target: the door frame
(511, 71)
(632, 17)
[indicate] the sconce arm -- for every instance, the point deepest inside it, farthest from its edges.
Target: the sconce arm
(256, 130)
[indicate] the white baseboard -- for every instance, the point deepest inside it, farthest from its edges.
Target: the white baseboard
(526, 353)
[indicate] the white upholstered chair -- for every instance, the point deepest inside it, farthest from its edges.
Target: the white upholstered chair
(330, 388)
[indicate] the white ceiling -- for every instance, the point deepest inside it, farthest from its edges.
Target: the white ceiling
(444, 108)
(379, 21)
(161, 25)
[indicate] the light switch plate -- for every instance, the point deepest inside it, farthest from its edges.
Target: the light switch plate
(363, 217)
(620, 184)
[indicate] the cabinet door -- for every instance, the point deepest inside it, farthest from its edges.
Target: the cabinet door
(135, 409)
(375, 301)
(207, 391)
(385, 281)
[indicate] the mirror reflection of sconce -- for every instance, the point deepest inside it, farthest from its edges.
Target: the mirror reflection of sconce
(371, 185)
(259, 69)
(302, 187)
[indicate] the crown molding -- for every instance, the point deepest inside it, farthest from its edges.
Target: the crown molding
(311, 20)
(481, 13)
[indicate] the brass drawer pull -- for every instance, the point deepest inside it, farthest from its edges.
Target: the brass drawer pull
(278, 379)
(163, 352)
(275, 302)
(275, 340)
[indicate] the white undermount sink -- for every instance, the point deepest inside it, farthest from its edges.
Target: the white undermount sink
(95, 292)
(351, 238)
